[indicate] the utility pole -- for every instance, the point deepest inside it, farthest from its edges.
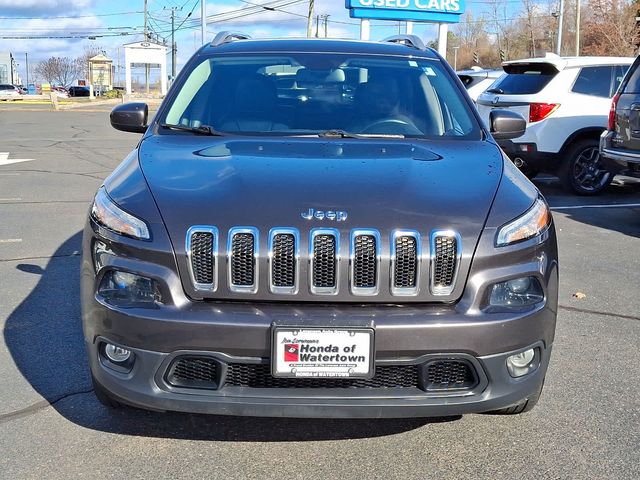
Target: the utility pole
(310, 20)
(577, 28)
(560, 19)
(203, 17)
(317, 26)
(146, 38)
(173, 43)
(325, 20)
(26, 61)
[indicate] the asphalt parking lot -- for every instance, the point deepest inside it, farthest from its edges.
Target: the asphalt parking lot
(587, 424)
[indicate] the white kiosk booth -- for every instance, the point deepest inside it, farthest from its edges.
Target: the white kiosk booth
(441, 12)
(146, 53)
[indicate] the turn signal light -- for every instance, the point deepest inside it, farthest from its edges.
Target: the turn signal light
(540, 111)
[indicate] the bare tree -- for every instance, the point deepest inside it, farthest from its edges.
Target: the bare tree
(59, 70)
(610, 28)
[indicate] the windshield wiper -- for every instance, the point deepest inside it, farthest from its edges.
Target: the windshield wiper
(338, 133)
(201, 130)
(495, 90)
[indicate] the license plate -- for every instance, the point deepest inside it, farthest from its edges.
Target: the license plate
(322, 352)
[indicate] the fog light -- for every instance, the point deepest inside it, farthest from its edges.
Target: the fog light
(523, 363)
(129, 290)
(516, 294)
(117, 354)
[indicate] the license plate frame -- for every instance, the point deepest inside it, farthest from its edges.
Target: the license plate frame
(323, 369)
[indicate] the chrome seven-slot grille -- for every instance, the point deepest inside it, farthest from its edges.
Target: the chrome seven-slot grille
(324, 253)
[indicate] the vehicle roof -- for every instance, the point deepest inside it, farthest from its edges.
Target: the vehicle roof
(568, 62)
(312, 45)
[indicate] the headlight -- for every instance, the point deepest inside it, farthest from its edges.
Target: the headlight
(126, 289)
(517, 294)
(112, 217)
(529, 225)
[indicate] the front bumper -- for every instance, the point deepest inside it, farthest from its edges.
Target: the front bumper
(145, 387)
(616, 160)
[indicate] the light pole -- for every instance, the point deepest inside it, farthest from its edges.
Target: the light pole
(26, 61)
(560, 20)
(455, 57)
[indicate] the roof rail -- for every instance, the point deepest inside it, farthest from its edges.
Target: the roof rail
(227, 37)
(412, 41)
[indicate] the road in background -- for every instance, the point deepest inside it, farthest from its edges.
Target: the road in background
(587, 424)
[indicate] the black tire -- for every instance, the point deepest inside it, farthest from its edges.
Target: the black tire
(103, 396)
(522, 407)
(582, 172)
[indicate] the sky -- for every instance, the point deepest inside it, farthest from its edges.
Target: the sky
(117, 22)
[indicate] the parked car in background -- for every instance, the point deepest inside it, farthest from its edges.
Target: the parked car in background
(620, 143)
(78, 92)
(566, 102)
(10, 92)
(477, 80)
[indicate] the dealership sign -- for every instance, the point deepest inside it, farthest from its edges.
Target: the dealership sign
(440, 11)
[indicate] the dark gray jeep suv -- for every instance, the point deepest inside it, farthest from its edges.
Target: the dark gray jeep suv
(319, 228)
(620, 143)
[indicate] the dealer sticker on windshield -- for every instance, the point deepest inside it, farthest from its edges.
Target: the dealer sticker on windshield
(319, 352)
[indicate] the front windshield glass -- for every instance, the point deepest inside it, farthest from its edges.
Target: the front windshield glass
(320, 93)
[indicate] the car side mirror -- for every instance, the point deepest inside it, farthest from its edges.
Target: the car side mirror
(506, 125)
(130, 117)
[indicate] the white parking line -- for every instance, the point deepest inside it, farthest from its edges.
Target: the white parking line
(610, 205)
(9, 174)
(12, 199)
(11, 240)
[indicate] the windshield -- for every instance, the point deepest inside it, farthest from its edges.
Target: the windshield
(313, 94)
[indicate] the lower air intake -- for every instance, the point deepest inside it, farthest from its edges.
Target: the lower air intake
(193, 372)
(442, 375)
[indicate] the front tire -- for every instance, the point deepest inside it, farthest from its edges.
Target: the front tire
(582, 172)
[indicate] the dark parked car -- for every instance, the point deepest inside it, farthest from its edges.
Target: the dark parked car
(620, 143)
(311, 253)
(79, 92)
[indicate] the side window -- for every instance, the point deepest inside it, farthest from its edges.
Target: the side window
(594, 81)
(618, 75)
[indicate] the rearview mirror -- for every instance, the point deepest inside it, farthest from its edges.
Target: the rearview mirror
(130, 117)
(506, 125)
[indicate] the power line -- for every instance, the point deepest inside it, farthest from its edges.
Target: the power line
(72, 16)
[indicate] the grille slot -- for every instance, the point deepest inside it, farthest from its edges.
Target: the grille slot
(365, 262)
(405, 258)
(242, 253)
(259, 376)
(450, 375)
(283, 248)
(324, 264)
(202, 250)
(445, 253)
(193, 372)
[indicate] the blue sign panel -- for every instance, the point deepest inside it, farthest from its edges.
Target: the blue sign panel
(31, 89)
(442, 11)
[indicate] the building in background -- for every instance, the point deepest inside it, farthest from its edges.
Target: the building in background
(8, 69)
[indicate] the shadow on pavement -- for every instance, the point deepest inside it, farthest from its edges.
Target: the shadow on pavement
(44, 336)
(625, 220)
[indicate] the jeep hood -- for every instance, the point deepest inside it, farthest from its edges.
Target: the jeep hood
(270, 182)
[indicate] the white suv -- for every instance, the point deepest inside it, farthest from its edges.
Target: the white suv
(565, 101)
